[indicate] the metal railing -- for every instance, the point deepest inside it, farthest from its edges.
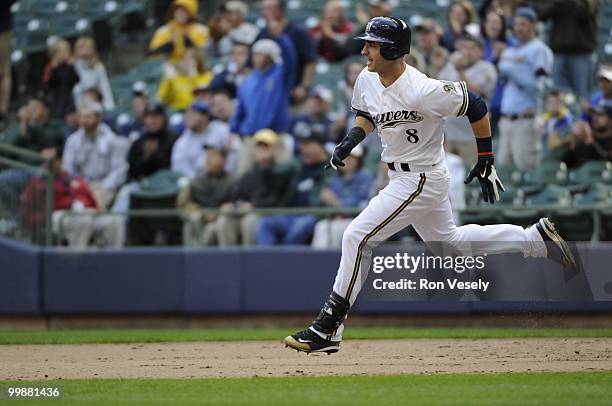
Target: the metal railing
(26, 196)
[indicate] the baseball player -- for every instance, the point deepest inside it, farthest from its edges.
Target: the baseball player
(409, 110)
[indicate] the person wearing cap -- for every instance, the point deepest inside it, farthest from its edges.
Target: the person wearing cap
(232, 24)
(267, 184)
(603, 92)
(134, 128)
(176, 89)
(152, 151)
(263, 99)
(211, 188)
(594, 141)
(235, 72)
(333, 32)
(348, 188)
(273, 13)
(573, 40)
(428, 34)
(307, 179)
(71, 193)
(317, 115)
(222, 105)
(466, 64)
(202, 129)
(182, 32)
(376, 8)
(95, 153)
(525, 67)
(37, 130)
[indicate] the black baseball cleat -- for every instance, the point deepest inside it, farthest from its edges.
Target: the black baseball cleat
(557, 249)
(308, 341)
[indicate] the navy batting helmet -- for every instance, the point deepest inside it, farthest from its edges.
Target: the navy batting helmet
(393, 34)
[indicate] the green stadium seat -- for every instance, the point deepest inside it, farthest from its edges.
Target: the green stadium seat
(574, 225)
(482, 218)
(591, 172)
(523, 218)
(605, 232)
(551, 195)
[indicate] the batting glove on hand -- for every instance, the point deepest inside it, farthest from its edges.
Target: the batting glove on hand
(485, 171)
(341, 151)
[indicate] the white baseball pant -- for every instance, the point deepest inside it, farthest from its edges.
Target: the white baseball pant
(420, 199)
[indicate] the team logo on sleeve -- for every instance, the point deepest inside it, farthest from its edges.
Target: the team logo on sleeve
(391, 119)
(448, 87)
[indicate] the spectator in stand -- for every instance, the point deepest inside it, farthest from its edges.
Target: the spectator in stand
(180, 80)
(428, 34)
(466, 64)
(95, 153)
(92, 72)
(237, 69)
(376, 8)
(182, 32)
(152, 151)
(493, 32)
(266, 185)
(37, 130)
(557, 126)
(317, 118)
(233, 23)
(202, 129)
(456, 189)
(210, 189)
(72, 194)
(6, 38)
(222, 105)
(348, 188)
(333, 32)
(460, 14)
(263, 98)
(594, 142)
(525, 68)
(273, 12)
(344, 114)
(134, 128)
(573, 40)
(604, 91)
(62, 77)
(308, 179)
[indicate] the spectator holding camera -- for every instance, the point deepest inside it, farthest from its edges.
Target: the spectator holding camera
(37, 130)
(333, 32)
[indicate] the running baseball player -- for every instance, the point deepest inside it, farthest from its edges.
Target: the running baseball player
(409, 110)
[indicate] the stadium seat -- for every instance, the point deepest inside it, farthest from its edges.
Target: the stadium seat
(605, 231)
(551, 195)
(523, 218)
(591, 172)
(482, 218)
(575, 225)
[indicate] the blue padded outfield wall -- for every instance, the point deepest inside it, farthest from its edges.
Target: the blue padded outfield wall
(170, 280)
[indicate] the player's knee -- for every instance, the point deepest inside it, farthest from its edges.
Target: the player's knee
(352, 236)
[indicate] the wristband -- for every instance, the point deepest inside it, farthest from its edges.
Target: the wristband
(356, 135)
(484, 147)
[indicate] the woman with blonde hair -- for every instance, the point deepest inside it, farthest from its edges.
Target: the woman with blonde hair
(180, 80)
(180, 33)
(92, 72)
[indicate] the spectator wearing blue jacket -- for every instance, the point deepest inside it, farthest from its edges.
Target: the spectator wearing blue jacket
(349, 188)
(263, 98)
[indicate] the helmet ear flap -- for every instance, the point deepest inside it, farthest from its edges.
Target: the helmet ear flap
(390, 52)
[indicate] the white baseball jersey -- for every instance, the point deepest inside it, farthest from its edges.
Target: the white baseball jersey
(410, 113)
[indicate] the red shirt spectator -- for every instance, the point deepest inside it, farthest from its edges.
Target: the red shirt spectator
(333, 32)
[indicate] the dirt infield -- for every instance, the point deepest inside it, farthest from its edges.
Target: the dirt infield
(265, 358)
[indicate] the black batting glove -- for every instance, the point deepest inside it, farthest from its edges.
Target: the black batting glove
(341, 151)
(485, 171)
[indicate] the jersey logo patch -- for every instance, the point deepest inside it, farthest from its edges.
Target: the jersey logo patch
(392, 119)
(448, 87)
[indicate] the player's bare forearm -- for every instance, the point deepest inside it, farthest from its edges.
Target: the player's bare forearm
(482, 127)
(363, 123)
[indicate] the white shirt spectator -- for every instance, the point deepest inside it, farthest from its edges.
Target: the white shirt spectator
(102, 159)
(188, 155)
(93, 77)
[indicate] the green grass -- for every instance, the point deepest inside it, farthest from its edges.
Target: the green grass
(156, 335)
(588, 388)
